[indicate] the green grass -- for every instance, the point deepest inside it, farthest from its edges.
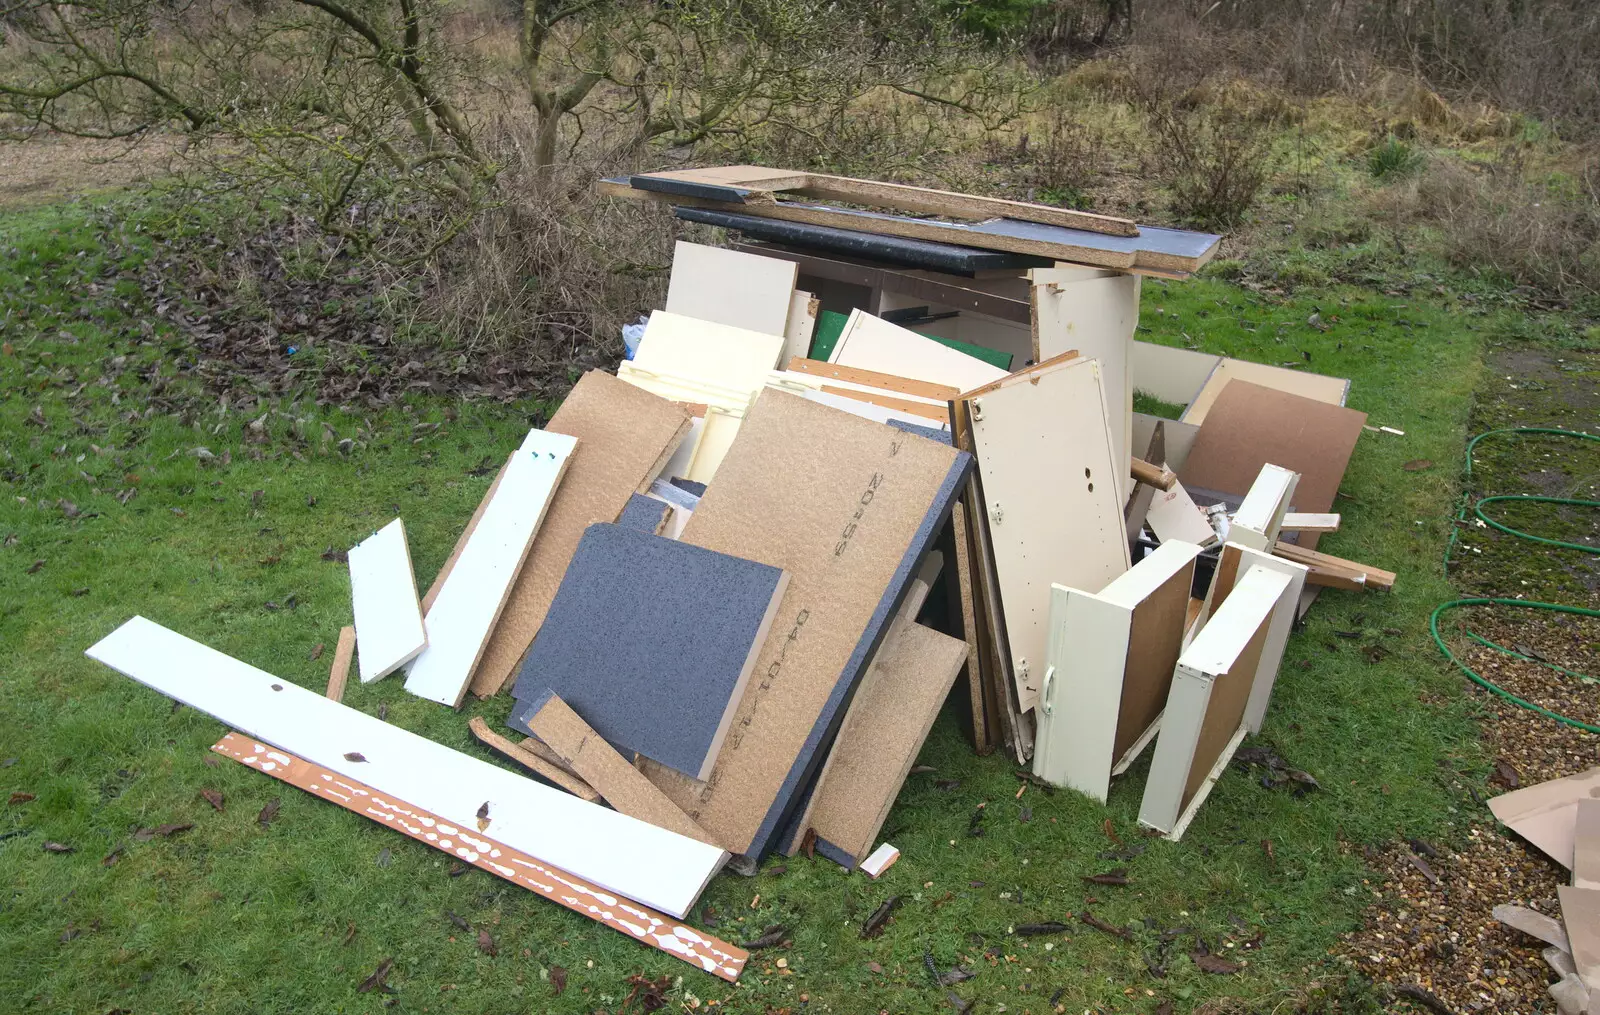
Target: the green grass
(231, 916)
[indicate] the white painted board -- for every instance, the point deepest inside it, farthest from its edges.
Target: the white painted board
(871, 343)
(1173, 514)
(383, 597)
(1277, 633)
(1171, 374)
(651, 865)
(475, 591)
(1332, 390)
(731, 287)
(1209, 657)
(1097, 317)
(1260, 515)
(1055, 517)
(801, 325)
(716, 355)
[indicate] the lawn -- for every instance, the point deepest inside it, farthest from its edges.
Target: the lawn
(113, 509)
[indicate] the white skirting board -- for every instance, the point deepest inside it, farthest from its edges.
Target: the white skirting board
(383, 596)
(1204, 719)
(1231, 563)
(661, 869)
(475, 592)
(1088, 705)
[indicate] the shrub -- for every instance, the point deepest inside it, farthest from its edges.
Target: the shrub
(1213, 164)
(1393, 159)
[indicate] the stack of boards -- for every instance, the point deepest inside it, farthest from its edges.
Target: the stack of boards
(709, 582)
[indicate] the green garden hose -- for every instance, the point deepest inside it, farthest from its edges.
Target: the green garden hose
(1526, 604)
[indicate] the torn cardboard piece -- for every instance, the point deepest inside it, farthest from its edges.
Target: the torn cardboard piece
(1547, 814)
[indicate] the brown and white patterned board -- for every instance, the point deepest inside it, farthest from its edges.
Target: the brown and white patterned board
(655, 929)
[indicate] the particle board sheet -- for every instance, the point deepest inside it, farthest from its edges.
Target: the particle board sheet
(871, 343)
(652, 640)
(383, 597)
(794, 835)
(1110, 665)
(847, 507)
(1250, 426)
(659, 868)
(493, 855)
(1097, 318)
(888, 723)
(1328, 390)
(1546, 814)
(1054, 512)
(1235, 560)
(978, 701)
(731, 287)
(714, 354)
(625, 437)
(597, 763)
(1203, 721)
(461, 620)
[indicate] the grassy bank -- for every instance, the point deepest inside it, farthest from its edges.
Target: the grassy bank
(228, 547)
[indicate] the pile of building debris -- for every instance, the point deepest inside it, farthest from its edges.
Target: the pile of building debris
(863, 462)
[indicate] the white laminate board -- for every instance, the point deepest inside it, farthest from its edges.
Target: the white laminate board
(1054, 513)
(1211, 656)
(1332, 390)
(1171, 374)
(731, 287)
(716, 355)
(383, 596)
(870, 343)
(1081, 691)
(1173, 514)
(1282, 616)
(475, 591)
(1096, 317)
(855, 407)
(621, 854)
(1260, 514)
(801, 325)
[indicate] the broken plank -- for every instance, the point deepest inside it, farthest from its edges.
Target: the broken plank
(598, 764)
(1301, 521)
(462, 618)
(339, 672)
(531, 754)
(656, 929)
(1322, 565)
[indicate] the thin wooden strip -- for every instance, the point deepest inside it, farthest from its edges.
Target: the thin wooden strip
(1328, 565)
(383, 596)
(463, 617)
(1302, 521)
(924, 410)
(562, 887)
(531, 754)
(961, 589)
(339, 673)
(874, 379)
(659, 868)
(598, 763)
